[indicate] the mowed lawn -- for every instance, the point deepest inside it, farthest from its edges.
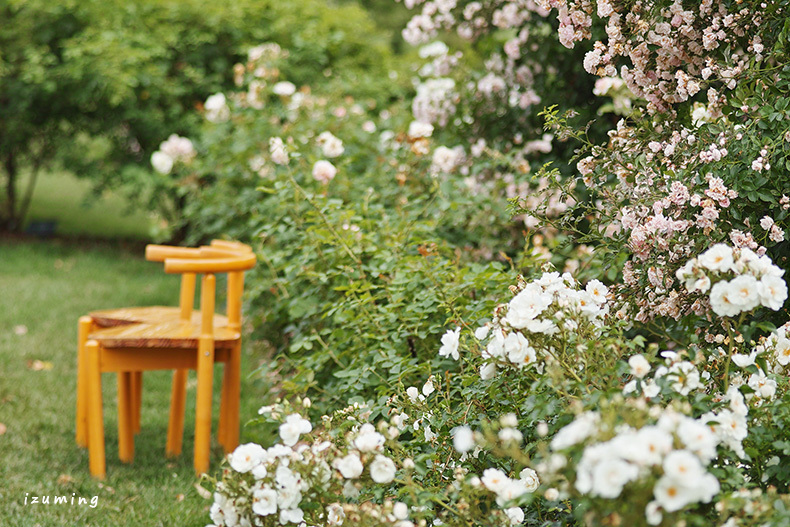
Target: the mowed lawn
(68, 201)
(44, 288)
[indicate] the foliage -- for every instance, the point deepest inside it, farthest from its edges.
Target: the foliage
(98, 86)
(387, 244)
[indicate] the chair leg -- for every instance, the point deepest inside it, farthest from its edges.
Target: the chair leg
(95, 417)
(125, 417)
(84, 328)
(137, 399)
(205, 379)
(229, 407)
(175, 425)
(222, 428)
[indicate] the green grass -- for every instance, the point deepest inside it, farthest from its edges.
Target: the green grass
(62, 197)
(45, 287)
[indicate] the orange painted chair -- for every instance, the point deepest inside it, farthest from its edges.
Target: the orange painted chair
(118, 317)
(130, 341)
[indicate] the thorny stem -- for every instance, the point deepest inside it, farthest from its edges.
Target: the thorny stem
(564, 365)
(436, 500)
(275, 278)
(731, 350)
(328, 224)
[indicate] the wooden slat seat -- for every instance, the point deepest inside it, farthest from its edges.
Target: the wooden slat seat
(107, 318)
(167, 334)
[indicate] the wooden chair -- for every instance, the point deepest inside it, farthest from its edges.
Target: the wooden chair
(130, 341)
(118, 317)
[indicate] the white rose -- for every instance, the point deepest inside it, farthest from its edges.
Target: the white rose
(284, 88)
(294, 426)
(428, 388)
(330, 145)
(291, 516)
(324, 171)
(772, 291)
(745, 291)
(368, 439)
(717, 258)
(264, 501)
(418, 130)
(216, 107)
(721, 300)
(335, 514)
(597, 291)
(350, 466)
(639, 366)
(515, 515)
(488, 371)
(162, 162)
(530, 479)
(400, 510)
(246, 456)
(450, 342)
(382, 470)
(277, 150)
(463, 439)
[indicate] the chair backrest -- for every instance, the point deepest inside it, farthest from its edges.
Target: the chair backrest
(221, 256)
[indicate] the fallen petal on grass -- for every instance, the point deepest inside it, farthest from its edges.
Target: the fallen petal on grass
(20, 330)
(39, 365)
(65, 479)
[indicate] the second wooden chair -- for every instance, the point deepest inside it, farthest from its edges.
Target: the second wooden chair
(130, 341)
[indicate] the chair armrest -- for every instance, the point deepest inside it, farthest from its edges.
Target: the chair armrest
(209, 265)
(221, 252)
(231, 245)
(159, 253)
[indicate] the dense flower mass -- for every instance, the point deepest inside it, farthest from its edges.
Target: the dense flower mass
(757, 281)
(670, 455)
(632, 375)
(278, 481)
(527, 330)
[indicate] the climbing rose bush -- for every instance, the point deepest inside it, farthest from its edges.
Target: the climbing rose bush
(625, 360)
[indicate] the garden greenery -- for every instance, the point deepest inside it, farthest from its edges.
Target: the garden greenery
(543, 285)
(97, 85)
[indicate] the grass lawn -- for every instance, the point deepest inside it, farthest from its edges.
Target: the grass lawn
(62, 197)
(44, 288)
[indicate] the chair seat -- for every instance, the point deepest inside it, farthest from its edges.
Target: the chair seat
(165, 334)
(148, 315)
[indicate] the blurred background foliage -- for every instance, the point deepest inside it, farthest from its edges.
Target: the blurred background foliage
(95, 86)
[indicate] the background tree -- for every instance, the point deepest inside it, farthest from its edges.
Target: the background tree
(97, 86)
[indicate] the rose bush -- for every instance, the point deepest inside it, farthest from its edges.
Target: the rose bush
(611, 349)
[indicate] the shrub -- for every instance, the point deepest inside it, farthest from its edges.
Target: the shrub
(653, 398)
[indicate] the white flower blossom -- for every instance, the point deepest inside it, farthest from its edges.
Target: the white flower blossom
(216, 107)
(382, 469)
(294, 426)
(246, 456)
(324, 171)
(463, 439)
(349, 466)
(450, 342)
(162, 162)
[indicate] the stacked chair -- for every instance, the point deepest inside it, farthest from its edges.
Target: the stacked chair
(129, 341)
